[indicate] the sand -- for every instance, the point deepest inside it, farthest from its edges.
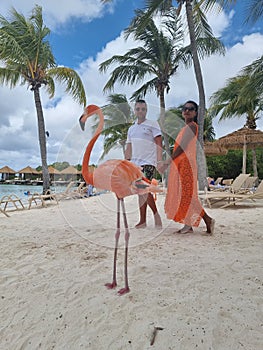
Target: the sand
(203, 292)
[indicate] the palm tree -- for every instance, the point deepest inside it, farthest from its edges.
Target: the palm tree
(254, 10)
(28, 59)
(118, 118)
(197, 24)
(255, 83)
(157, 58)
(209, 131)
(236, 100)
(174, 121)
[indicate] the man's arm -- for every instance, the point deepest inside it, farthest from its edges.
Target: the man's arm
(159, 148)
(128, 151)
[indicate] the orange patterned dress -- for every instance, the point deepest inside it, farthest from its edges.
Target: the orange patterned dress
(182, 203)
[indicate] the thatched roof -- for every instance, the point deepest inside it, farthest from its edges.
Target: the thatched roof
(236, 140)
(28, 170)
(53, 170)
(70, 170)
(6, 170)
(213, 149)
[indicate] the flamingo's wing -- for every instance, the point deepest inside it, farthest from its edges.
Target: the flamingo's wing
(123, 178)
(118, 176)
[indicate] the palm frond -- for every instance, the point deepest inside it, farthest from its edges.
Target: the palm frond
(71, 80)
(254, 11)
(9, 77)
(235, 99)
(149, 86)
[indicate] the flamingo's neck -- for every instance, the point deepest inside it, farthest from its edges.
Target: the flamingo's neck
(87, 175)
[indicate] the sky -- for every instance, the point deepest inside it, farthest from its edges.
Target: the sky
(85, 33)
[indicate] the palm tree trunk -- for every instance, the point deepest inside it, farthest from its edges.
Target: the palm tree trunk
(162, 117)
(244, 166)
(165, 136)
(254, 162)
(42, 140)
(201, 110)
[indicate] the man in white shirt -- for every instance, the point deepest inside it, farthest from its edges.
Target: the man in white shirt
(144, 148)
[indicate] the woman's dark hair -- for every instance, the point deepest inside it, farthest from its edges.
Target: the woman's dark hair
(196, 108)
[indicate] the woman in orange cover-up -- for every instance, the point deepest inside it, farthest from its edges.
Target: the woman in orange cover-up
(182, 203)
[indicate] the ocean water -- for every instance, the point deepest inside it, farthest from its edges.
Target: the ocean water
(21, 190)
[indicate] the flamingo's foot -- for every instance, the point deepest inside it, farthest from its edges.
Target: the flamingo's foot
(111, 285)
(124, 290)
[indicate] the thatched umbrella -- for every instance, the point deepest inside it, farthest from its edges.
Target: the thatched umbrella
(29, 171)
(6, 171)
(53, 172)
(243, 138)
(213, 149)
(70, 171)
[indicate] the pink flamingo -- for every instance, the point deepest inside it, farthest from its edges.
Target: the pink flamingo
(119, 176)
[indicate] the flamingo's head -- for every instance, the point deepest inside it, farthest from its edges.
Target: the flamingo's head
(88, 111)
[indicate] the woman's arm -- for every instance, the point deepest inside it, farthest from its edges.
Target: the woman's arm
(189, 134)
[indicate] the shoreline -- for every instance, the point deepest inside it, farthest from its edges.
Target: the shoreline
(205, 292)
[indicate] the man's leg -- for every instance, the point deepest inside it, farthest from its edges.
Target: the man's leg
(152, 205)
(143, 208)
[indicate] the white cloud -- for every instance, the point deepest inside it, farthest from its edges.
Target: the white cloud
(18, 123)
(56, 13)
(219, 21)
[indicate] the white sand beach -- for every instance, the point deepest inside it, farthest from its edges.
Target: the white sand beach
(205, 292)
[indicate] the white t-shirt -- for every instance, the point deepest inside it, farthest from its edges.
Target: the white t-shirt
(141, 136)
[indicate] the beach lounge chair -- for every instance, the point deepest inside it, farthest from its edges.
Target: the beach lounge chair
(35, 197)
(64, 194)
(225, 185)
(227, 182)
(212, 197)
(218, 180)
(11, 199)
(80, 191)
(216, 185)
(249, 184)
(70, 193)
(2, 211)
(239, 197)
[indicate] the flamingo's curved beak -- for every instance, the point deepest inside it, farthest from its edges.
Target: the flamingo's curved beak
(89, 110)
(82, 122)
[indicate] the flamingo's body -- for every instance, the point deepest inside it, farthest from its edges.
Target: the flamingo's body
(119, 176)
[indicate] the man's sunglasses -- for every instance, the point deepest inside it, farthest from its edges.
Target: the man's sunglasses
(140, 109)
(190, 109)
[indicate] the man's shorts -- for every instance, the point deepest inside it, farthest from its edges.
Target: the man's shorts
(149, 171)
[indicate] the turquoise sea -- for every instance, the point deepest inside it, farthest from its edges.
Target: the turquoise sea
(21, 190)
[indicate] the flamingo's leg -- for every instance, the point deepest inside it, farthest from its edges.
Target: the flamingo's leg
(126, 289)
(117, 236)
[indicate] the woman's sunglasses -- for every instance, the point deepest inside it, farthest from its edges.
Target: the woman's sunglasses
(190, 109)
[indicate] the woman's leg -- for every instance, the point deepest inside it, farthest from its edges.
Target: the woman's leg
(185, 229)
(210, 223)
